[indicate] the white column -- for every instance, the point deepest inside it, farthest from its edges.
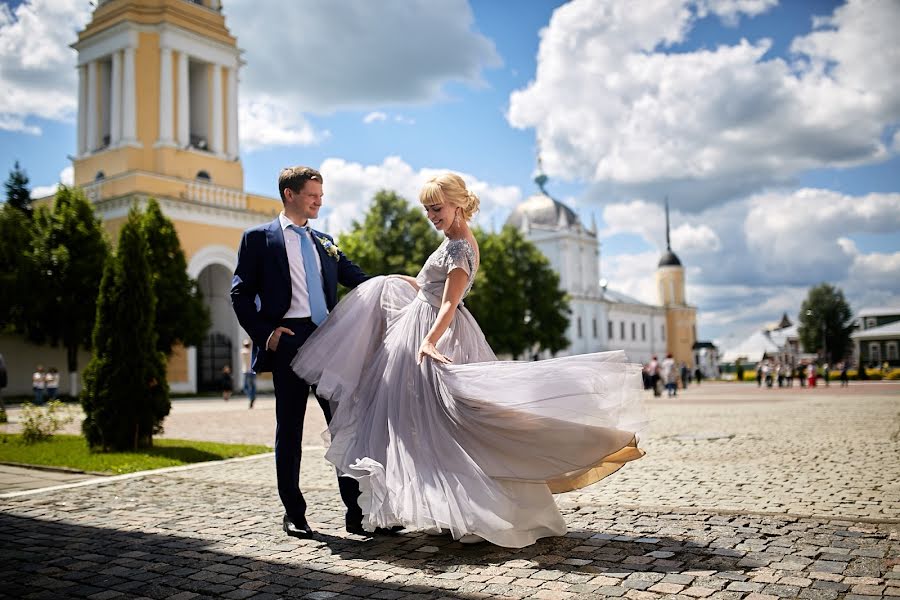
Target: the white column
(233, 150)
(115, 101)
(129, 107)
(165, 97)
(92, 107)
(82, 111)
(217, 123)
(184, 107)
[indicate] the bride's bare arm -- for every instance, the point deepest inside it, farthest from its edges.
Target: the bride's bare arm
(454, 288)
(410, 280)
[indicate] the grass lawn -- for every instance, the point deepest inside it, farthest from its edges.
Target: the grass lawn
(71, 451)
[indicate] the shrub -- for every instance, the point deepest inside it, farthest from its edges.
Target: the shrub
(40, 423)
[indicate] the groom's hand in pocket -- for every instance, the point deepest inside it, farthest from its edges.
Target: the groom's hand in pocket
(272, 344)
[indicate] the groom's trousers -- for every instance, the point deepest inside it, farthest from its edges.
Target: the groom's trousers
(291, 394)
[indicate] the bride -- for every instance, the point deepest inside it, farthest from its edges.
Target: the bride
(440, 434)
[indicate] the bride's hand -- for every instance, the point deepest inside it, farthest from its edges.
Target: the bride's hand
(428, 349)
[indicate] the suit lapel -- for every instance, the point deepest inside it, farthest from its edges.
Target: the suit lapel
(275, 239)
(329, 277)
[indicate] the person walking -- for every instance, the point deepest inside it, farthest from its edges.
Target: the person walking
(51, 381)
(227, 383)
(670, 375)
(249, 376)
(39, 385)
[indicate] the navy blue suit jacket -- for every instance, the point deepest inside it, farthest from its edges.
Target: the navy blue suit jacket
(261, 287)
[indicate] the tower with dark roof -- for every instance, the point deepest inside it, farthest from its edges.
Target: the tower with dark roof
(681, 318)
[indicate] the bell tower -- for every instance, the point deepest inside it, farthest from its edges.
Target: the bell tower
(681, 318)
(158, 118)
(157, 98)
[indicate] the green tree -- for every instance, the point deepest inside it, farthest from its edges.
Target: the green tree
(516, 298)
(16, 239)
(17, 193)
(825, 316)
(181, 316)
(66, 261)
(125, 396)
(392, 238)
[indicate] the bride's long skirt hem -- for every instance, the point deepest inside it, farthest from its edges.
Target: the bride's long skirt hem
(475, 447)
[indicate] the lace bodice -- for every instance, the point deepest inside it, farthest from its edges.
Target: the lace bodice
(451, 254)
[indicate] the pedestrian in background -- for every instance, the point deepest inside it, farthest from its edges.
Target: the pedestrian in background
(670, 374)
(51, 381)
(38, 385)
(249, 383)
(3, 381)
(227, 383)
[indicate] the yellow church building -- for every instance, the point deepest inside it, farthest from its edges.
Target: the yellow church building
(158, 118)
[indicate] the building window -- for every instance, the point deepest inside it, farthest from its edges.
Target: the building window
(643, 332)
(662, 332)
(609, 329)
(633, 332)
(100, 176)
(579, 327)
(891, 351)
(870, 323)
(203, 176)
(874, 352)
(622, 330)
(595, 328)
(198, 111)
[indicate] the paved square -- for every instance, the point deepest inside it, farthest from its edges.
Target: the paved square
(744, 493)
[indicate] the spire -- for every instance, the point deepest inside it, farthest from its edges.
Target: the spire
(668, 258)
(540, 178)
(668, 242)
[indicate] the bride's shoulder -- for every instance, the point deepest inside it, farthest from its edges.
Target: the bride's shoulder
(459, 248)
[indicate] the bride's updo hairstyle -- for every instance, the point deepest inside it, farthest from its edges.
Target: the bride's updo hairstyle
(451, 188)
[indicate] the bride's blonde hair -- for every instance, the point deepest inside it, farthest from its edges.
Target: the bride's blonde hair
(451, 188)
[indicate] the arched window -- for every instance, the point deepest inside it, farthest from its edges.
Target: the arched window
(203, 176)
(100, 176)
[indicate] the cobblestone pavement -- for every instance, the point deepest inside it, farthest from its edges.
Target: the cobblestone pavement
(744, 493)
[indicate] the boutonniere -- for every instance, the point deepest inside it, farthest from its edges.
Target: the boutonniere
(330, 248)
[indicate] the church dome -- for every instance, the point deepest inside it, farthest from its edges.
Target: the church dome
(544, 211)
(669, 260)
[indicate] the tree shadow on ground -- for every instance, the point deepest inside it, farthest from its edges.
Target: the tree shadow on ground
(580, 551)
(59, 558)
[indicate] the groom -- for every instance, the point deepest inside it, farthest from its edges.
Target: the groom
(284, 285)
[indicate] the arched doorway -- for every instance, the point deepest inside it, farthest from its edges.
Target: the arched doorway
(221, 344)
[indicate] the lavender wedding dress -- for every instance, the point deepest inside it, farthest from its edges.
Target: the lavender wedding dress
(475, 447)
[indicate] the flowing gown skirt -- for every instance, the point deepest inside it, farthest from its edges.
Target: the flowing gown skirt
(478, 446)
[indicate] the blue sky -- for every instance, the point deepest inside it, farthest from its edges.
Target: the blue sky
(772, 127)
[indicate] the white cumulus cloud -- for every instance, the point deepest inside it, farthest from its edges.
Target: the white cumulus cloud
(349, 55)
(37, 67)
(712, 124)
(350, 187)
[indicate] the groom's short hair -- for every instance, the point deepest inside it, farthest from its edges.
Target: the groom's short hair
(294, 178)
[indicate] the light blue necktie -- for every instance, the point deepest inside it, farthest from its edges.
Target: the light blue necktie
(313, 278)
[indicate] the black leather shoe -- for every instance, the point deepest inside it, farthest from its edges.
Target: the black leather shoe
(300, 529)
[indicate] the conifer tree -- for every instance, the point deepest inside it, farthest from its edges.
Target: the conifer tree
(17, 193)
(181, 316)
(66, 260)
(126, 396)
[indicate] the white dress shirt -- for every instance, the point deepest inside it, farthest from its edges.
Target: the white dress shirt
(299, 307)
